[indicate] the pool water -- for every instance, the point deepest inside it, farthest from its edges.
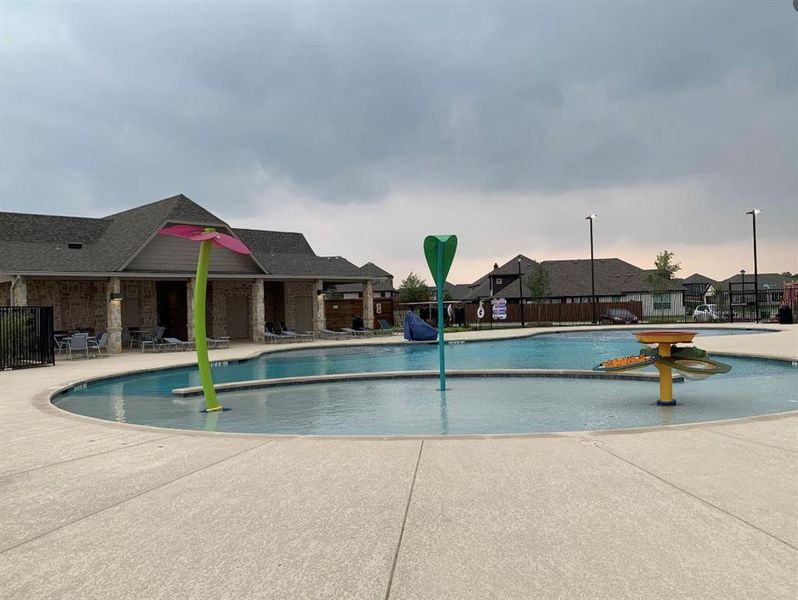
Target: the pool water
(415, 406)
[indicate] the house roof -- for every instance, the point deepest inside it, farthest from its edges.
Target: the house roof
(384, 283)
(511, 266)
(698, 278)
(40, 243)
(613, 276)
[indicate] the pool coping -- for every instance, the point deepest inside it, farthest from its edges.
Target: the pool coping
(248, 384)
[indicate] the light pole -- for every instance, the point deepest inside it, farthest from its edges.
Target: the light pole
(521, 292)
(754, 212)
(590, 218)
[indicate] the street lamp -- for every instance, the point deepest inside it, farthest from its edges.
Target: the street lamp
(521, 292)
(590, 218)
(754, 212)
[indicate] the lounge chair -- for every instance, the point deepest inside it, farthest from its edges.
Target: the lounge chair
(336, 335)
(272, 337)
(223, 341)
(385, 328)
(357, 332)
(154, 342)
(299, 337)
(179, 344)
(99, 345)
(281, 329)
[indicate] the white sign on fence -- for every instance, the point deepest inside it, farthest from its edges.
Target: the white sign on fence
(499, 306)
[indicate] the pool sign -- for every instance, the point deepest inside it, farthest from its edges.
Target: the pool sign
(439, 251)
(499, 306)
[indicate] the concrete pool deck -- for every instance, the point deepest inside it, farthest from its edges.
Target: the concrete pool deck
(90, 509)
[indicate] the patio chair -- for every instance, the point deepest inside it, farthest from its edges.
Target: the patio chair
(79, 342)
(336, 335)
(178, 344)
(385, 328)
(60, 345)
(155, 341)
(100, 345)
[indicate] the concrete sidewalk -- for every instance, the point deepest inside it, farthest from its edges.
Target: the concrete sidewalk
(90, 509)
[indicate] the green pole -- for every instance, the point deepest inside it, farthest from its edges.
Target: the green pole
(200, 335)
(439, 284)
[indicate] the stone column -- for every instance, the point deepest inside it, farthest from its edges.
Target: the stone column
(319, 309)
(190, 308)
(19, 292)
(114, 316)
(368, 304)
(257, 312)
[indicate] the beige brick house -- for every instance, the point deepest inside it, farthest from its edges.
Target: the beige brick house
(83, 266)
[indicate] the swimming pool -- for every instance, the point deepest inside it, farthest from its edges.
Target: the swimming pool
(416, 407)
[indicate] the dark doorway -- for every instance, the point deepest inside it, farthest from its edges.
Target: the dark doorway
(172, 308)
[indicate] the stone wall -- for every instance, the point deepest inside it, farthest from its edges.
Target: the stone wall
(218, 293)
(144, 292)
(76, 303)
(257, 311)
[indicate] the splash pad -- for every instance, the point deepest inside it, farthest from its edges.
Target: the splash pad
(691, 362)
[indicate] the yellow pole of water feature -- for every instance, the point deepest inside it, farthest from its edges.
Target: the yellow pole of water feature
(665, 377)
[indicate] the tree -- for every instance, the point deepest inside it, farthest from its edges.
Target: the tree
(538, 284)
(664, 270)
(413, 289)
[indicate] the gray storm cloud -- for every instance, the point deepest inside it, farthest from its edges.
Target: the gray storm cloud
(109, 106)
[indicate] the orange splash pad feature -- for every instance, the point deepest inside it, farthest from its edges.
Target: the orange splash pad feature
(664, 339)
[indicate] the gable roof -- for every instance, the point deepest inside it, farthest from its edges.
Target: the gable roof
(374, 271)
(38, 243)
(613, 277)
(511, 266)
(698, 278)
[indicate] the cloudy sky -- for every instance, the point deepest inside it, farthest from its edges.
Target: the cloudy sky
(369, 125)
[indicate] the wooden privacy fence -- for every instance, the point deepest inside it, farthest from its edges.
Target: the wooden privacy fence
(26, 337)
(339, 313)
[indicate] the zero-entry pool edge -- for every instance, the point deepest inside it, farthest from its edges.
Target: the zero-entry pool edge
(513, 374)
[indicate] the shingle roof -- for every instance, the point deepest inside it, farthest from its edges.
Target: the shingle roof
(698, 278)
(274, 242)
(373, 270)
(38, 243)
(613, 277)
(511, 266)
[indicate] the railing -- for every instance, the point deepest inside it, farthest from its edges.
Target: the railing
(26, 337)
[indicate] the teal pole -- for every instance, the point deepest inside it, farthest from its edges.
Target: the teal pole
(439, 282)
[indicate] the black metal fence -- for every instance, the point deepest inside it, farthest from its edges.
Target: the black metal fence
(26, 337)
(735, 304)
